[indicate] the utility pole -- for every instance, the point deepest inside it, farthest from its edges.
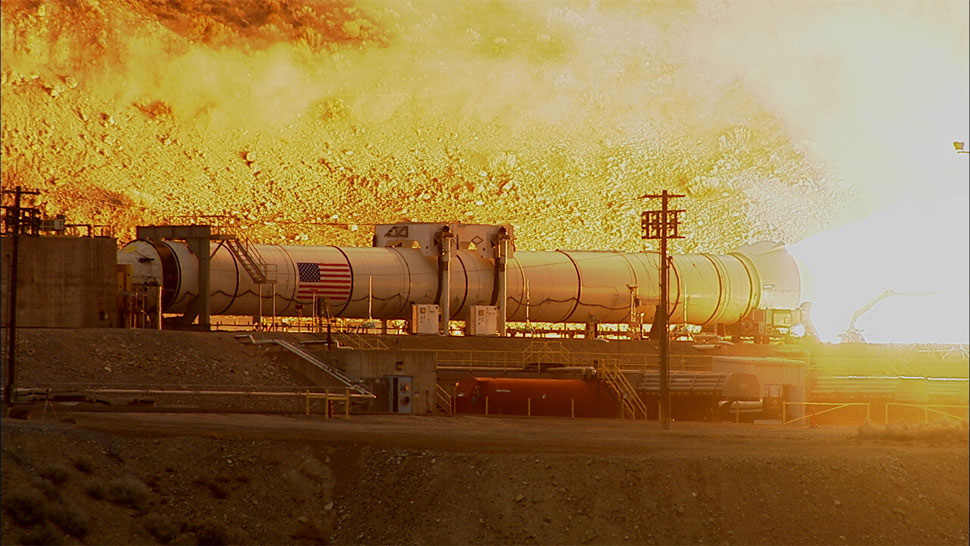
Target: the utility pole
(14, 225)
(662, 224)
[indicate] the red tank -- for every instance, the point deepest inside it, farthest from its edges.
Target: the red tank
(541, 397)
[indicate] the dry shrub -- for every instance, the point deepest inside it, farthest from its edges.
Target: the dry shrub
(938, 432)
(96, 490)
(83, 463)
(25, 506)
(42, 535)
(56, 473)
(161, 527)
(129, 491)
(212, 532)
(69, 518)
(239, 536)
(46, 487)
(310, 531)
(217, 490)
(20, 412)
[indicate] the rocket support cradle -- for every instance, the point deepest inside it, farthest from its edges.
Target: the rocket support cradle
(462, 265)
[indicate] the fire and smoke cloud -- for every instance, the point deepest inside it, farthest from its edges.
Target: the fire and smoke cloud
(301, 120)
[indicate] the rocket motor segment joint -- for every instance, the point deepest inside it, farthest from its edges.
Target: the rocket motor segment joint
(557, 286)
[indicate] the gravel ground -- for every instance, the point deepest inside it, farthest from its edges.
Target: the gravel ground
(71, 476)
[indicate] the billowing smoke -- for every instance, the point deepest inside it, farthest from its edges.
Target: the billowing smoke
(880, 88)
(304, 121)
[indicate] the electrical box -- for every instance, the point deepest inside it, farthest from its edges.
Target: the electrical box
(483, 320)
(781, 318)
(53, 224)
(400, 398)
(425, 318)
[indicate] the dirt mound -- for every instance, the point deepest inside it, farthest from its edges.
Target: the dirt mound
(146, 358)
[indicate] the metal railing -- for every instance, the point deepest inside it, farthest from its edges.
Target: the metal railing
(50, 396)
(931, 408)
(630, 401)
(444, 400)
(334, 372)
(249, 257)
(523, 360)
(329, 398)
(833, 406)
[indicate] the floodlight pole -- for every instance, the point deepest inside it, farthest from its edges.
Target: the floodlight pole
(663, 225)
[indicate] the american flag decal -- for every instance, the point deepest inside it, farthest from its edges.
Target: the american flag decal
(325, 280)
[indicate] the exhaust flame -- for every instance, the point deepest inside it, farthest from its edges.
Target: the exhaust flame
(919, 251)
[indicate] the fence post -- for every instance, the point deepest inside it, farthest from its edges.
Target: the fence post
(308, 401)
(486, 405)
(572, 408)
(347, 403)
(529, 407)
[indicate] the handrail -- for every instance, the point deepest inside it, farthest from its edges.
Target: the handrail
(249, 257)
(837, 406)
(625, 393)
(929, 408)
(338, 374)
(443, 398)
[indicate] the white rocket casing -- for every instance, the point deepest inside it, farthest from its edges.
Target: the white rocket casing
(557, 286)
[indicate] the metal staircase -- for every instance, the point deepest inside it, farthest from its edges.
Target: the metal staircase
(630, 402)
(543, 354)
(348, 381)
(443, 400)
(249, 258)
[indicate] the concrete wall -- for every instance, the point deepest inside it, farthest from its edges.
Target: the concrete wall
(64, 282)
(376, 365)
(373, 368)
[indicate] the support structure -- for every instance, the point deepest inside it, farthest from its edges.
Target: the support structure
(14, 227)
(501, 279)
(198, 238)
(663, 225)
(446, 241)
(452, 241)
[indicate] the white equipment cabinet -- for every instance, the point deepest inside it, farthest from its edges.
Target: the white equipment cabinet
(425, 318)
(483, 320)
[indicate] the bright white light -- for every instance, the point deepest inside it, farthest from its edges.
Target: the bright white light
(921, 247)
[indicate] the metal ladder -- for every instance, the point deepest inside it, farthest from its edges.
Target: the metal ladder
(630, 401)
(348, 381)
(249, 258)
